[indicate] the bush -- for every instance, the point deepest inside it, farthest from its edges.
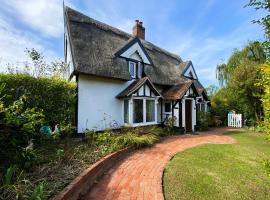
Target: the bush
(169, 124)
(203, 121)
(55, 97)
(137, 141)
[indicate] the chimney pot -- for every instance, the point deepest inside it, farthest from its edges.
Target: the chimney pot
(138, 30)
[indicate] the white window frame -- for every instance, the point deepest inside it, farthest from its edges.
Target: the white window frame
(134, 68)
(131, 123)
(140, 70)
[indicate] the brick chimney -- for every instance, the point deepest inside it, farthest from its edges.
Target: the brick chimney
(138, 30)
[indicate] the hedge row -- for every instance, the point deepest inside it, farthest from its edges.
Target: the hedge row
(54, 96)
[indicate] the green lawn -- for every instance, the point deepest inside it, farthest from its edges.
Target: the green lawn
(231, 171)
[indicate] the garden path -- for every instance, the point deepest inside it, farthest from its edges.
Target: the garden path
(139, 175)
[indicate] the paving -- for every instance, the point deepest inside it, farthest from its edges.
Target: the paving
(139, 175)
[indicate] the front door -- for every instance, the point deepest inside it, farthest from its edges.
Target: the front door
(188, 111)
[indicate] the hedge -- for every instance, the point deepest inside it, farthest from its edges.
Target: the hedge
(54, 96)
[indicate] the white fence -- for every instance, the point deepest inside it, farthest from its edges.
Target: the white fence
(235, 120)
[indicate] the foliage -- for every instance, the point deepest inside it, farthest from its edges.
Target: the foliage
(169, 124)
(134, 140)
(64, 131)
(20, 125)
(239, 90)
(9, 175)
(38, 67)
(28, 119)
(264, 21)
(38, 193)
(264, 83)
(55, 97)
(26, 159)
(211, 90)
(128, 137)
(203, 120)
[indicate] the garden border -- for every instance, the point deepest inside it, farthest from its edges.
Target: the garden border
(84, 181)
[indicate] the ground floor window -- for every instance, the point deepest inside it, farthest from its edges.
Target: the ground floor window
(150, 110)
(126, 111)
(138, 111)
(142, 110)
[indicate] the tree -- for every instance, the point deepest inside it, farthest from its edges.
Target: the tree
(211, 90)
(238, 78)
(38, 67)
(264, 21)
(253, 52)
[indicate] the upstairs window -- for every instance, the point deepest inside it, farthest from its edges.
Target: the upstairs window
(135, 69)
(139, 70)
(132, 69)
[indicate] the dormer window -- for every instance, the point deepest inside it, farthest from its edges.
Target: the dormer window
(135, 69)
(132, 69)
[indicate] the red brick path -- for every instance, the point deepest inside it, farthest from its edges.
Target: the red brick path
(139, 176)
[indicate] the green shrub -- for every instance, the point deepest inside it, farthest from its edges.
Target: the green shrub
(54, 96)
(38, 193)
(98, 137)
(169, 124)
(137, 141)
(26, 159)
(203, 121)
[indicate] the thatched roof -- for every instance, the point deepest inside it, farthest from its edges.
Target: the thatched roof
(135, 86)
(94, 44)
(201, 90)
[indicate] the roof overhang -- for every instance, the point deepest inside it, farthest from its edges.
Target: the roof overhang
(134, 46)
(136, 85)
(178, 91)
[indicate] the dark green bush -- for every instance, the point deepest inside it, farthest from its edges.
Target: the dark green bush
(55, 97)
(25, 104)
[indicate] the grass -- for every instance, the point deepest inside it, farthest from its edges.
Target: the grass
(230, 171)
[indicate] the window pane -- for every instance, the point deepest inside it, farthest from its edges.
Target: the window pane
(132, 69)
(150, 110)
(137, 111)
(139, 73)
(126, 111)
(167, 107)
(203, 107)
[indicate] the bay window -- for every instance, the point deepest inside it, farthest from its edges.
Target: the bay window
(126, 111)
(138, 111)
(142, 111)
(150, 110)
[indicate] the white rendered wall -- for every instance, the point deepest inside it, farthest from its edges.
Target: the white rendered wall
(97, 106)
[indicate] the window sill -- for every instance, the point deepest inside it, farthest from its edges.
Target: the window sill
(141, 124)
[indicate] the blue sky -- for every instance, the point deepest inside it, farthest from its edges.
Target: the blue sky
(204, 31)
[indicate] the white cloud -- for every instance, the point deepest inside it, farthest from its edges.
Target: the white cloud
(14, 42)
(44, 16)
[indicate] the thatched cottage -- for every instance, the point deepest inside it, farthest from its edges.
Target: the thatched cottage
(124, 80)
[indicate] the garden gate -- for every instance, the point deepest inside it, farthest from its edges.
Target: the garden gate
(235, 120)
